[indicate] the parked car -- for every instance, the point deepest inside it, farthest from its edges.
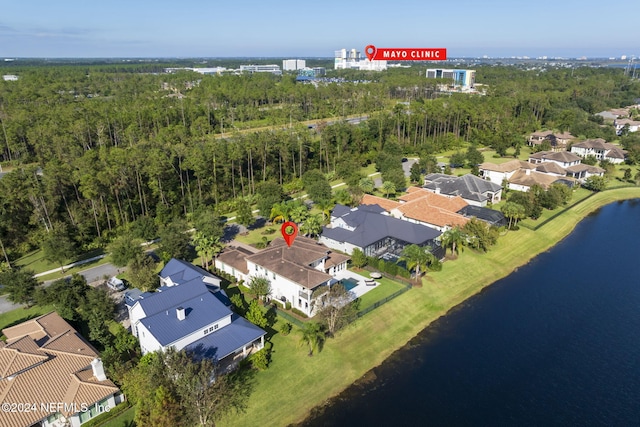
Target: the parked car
(115, 284)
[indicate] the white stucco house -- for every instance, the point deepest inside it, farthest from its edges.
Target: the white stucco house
(294, 272)
(600, 149)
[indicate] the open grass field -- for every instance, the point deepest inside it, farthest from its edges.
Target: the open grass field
(295, 383)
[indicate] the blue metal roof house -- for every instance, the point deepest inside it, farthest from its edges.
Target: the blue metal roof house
(190, 312)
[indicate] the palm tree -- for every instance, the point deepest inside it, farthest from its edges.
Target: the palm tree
(312, 335)
(281, 212)
(388, 187)
(325, 206)
(416, 257)
(299, 212)
(312, 226)
(453, 239)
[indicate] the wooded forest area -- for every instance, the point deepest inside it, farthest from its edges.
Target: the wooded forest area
(92, 148)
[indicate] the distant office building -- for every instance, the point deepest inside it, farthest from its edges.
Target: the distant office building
(351, 59)
(271, 68)
(464, 79)
(312, 72)
(293, 64)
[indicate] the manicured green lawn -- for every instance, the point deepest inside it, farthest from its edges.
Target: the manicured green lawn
(125, 419)
(387, 287)
(295, 382)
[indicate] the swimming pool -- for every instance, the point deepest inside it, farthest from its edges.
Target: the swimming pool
(349, 283)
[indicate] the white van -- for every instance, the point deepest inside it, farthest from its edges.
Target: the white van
(115, 284)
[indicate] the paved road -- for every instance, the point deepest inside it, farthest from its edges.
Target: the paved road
(95, 274)
(406, 166)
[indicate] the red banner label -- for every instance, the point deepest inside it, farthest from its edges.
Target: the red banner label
(405, 54)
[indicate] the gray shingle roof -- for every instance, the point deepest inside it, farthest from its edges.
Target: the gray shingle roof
(201, 308)
(371, 227)
(468, 187)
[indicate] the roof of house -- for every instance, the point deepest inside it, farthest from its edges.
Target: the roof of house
(235, 257)
(292, 263)
(225, 341)
(371, 226)
(46, 360)
(582, 167)
(558, 156)
(551, 167)
(627, 122)
(600, 144)
(491, 216)
(509, 166)
(385, 204)
(523, 178)
(597, 144)
(201, 308)
(469, 187)
(184, 273)
(310, 246)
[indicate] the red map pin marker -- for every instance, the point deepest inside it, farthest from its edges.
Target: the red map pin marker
(289, 232)
(370, 51)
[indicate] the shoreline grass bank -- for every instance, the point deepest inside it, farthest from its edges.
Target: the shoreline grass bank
(295, 383)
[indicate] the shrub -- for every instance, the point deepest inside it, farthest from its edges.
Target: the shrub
(391, 268)
(260, 360)
(299, 312)
(285, 329)
(287, 305)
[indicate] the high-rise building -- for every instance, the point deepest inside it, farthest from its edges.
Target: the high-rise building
(293, 64)
(351, 59)
(464, 79)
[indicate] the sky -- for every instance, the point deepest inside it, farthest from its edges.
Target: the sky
(306, 29)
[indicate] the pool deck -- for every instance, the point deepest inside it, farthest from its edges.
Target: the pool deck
(362, 288)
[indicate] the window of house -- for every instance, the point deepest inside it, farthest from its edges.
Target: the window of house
(215, 326)
(206, 331)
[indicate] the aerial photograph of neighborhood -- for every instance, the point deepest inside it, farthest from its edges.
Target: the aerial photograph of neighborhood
(329, 214)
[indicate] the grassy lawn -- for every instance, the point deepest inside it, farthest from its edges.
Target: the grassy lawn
(125, 419)
(387, 287)
(366, 343)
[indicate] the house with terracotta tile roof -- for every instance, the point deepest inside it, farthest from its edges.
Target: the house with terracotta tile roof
(49, 366)
(432, 210)
(294, 272)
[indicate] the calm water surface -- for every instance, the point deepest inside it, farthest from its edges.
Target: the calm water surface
(555, 343)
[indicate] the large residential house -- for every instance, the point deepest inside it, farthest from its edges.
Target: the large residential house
(430, 209)
(53, 375)
(294, 272)
(557, 141)
(370, 229)
(544, 169)
(473, 190)
(423, 207)
(600, 149)
(190, 311)
(564, 159)
(631, 125)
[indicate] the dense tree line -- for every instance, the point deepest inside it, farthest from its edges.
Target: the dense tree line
(96, 148)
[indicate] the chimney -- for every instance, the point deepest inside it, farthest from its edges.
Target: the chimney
(180, 313)
(98, 370)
